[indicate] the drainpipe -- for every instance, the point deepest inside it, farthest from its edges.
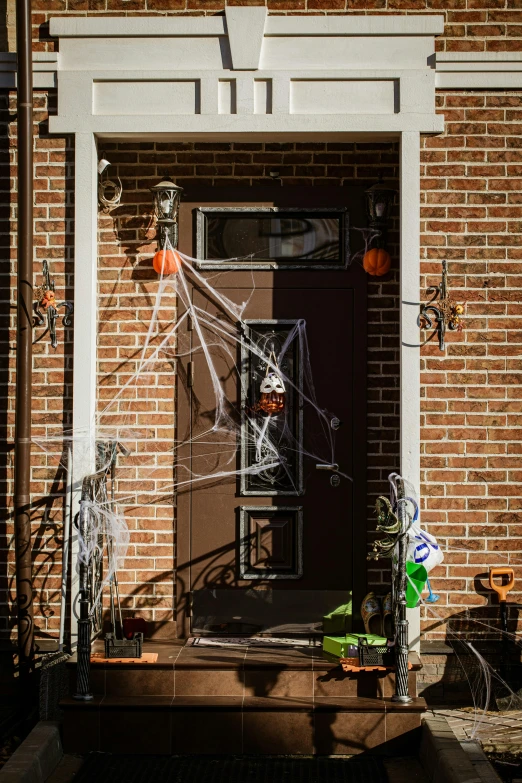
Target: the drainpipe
(24, 338)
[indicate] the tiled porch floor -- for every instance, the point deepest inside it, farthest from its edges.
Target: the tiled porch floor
(222, 700)
(250, 672)
(494, 730)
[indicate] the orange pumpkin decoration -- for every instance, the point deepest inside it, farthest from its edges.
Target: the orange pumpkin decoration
(166, 261)
(48, 300)
(377, 261)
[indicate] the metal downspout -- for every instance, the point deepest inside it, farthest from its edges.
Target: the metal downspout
(24, 336)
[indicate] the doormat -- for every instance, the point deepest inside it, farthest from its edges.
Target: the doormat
(251, 641)
(106, 768)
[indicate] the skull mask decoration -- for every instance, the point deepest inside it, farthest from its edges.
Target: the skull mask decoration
(272, 399)
(272, 383)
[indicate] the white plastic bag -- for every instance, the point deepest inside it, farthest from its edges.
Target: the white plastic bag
(423, 548)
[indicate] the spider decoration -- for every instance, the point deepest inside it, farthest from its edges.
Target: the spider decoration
(445, 314)
(46, 307)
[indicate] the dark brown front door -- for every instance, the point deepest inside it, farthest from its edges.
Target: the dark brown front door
(295, 532)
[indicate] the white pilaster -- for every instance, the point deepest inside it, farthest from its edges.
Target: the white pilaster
(409, 330)
(85, 330)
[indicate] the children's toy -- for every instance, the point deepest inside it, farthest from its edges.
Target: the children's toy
(348, 646)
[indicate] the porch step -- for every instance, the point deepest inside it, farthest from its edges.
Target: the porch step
(229, 701)
(234, 725)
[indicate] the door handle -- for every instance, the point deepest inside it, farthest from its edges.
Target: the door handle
(324, 466)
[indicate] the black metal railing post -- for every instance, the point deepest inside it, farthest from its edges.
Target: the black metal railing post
(83, 665)
(401, 625)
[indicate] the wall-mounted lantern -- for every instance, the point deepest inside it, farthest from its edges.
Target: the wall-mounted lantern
(166, 197)
(379, 198)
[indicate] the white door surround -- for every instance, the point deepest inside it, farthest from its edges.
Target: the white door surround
(244, 75)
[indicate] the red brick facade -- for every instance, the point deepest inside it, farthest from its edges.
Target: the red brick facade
(471, 407)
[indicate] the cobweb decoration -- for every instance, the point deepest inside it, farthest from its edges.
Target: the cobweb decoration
(106, 540)
(219, 334)
(220, 338)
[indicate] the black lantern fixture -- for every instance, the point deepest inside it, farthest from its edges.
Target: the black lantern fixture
(379, 198)
(166, 197)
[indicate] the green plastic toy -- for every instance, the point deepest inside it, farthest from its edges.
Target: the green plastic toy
(347, 646)
(416, 576)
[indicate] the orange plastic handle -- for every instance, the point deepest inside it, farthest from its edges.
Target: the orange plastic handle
(502, 590)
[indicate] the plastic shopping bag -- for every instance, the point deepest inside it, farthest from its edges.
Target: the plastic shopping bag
(423, 548)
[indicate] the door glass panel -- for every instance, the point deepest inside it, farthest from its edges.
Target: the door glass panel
(285, 429)
(273, 237)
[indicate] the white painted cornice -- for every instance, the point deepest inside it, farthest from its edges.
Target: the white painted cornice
(245, 72)
(173, 26)
(45, 65)
(136, 27)
(387, 24)
(478, 70)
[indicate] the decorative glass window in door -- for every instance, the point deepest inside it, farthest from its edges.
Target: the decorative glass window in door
(281, 433)
(272, 237)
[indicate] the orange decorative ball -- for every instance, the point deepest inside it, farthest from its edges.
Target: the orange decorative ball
(377, 261)
(166, 262)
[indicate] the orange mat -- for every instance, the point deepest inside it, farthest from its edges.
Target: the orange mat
(98, 657)
(352, 665)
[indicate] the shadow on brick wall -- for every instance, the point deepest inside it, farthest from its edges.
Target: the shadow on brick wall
(48, 505)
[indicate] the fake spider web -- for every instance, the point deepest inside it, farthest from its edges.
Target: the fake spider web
(208, 329)
(223, 339)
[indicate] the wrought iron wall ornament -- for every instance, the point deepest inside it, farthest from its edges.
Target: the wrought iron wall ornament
(46, 307)
(442, 314)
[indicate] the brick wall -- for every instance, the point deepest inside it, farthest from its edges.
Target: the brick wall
(52, 369)
(472, 399)
(471, 190)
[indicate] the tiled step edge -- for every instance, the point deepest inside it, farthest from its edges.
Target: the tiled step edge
(37, 756)
(443, 758)
(249, 703)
